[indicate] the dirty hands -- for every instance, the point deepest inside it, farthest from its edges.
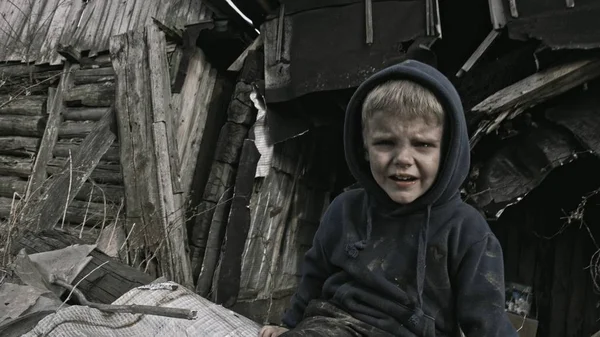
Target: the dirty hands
(271, 331)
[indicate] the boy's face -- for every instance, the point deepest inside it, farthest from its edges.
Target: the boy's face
(404, 155)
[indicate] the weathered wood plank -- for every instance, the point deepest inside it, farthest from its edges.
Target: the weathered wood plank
(241, 110)
(227, 278)
(22, 125)
(92, 95)
(105, 284)
(44, 154)
(135, 134)
(83, 114)
(193, 115)
(540, 86)
(62, 190)
(22, 105)
(161, 96)
(167, 161)
(19, 146)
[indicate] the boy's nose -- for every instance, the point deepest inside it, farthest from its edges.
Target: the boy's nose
(403, 157)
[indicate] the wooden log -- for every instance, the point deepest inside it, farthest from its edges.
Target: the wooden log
(32, 105)
(62, 148)
(47, 210)
(15, 166)
(28, 126)
(72, 129)
(103, 173)
(100, 193)
(91, 95)
(219, 182)
(19, 146)
(107, 283)
(55, 107)
(83, 114)
(226, 285)
(241, 110)
(11, 185)
(230, 142)
(94, 75)
(165, 150)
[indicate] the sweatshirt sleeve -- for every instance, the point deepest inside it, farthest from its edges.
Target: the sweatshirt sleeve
(480, 291)
(316, 268)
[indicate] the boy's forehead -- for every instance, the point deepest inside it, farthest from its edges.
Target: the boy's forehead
(381, 121)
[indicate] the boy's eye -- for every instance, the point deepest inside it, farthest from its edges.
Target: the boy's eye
(424, 144)
(383, 142)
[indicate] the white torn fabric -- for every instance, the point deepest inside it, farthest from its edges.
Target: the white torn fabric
(261, 136)
(213, 319)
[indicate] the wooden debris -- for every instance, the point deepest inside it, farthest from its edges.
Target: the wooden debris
(478, 52)
(108, 279)
(152, 212)
(83, 114)
(91, 95)
(530, 91)
(44, 153)
(47, 210)
(368, 22)
(239, 62)
(226, 285)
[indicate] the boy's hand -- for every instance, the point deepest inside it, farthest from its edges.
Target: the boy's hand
(271, 331)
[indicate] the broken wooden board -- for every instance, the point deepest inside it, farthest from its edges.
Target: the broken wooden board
(535, 89)
(581, 115)
(226, 285)
(521, 165)
(108, 279)
(44, 153)
(45, 211)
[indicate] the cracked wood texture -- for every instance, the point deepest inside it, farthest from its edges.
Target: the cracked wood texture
(144, 120)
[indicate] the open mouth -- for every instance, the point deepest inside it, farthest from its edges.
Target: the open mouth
(403, 178)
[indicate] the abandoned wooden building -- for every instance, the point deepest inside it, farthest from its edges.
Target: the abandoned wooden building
(188, 142)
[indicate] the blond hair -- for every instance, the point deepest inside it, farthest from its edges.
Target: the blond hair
(403, 99)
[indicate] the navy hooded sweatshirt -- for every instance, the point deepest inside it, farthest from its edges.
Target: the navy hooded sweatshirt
(421, 269)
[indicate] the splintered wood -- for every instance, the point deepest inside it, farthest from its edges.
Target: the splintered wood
(154, 209)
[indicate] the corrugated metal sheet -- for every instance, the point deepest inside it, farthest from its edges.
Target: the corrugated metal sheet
(31, 30)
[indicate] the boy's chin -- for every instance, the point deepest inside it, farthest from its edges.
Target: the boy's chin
(403, 198)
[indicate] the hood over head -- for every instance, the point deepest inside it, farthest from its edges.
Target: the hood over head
(455, 156)
(454, 163)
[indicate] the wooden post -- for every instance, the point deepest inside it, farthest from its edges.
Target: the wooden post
(149, 161)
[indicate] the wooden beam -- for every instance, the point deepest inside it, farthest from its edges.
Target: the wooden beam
(45, 212)
(44, 153)
(239, 62)
(530, 91)
(167, 160)
(226, 285)
(485, 44)
(27, 126)
(91, 95)
(19, 146)
(143, 95)
(108, 279)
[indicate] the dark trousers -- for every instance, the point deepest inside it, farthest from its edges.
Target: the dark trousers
(322, 319)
